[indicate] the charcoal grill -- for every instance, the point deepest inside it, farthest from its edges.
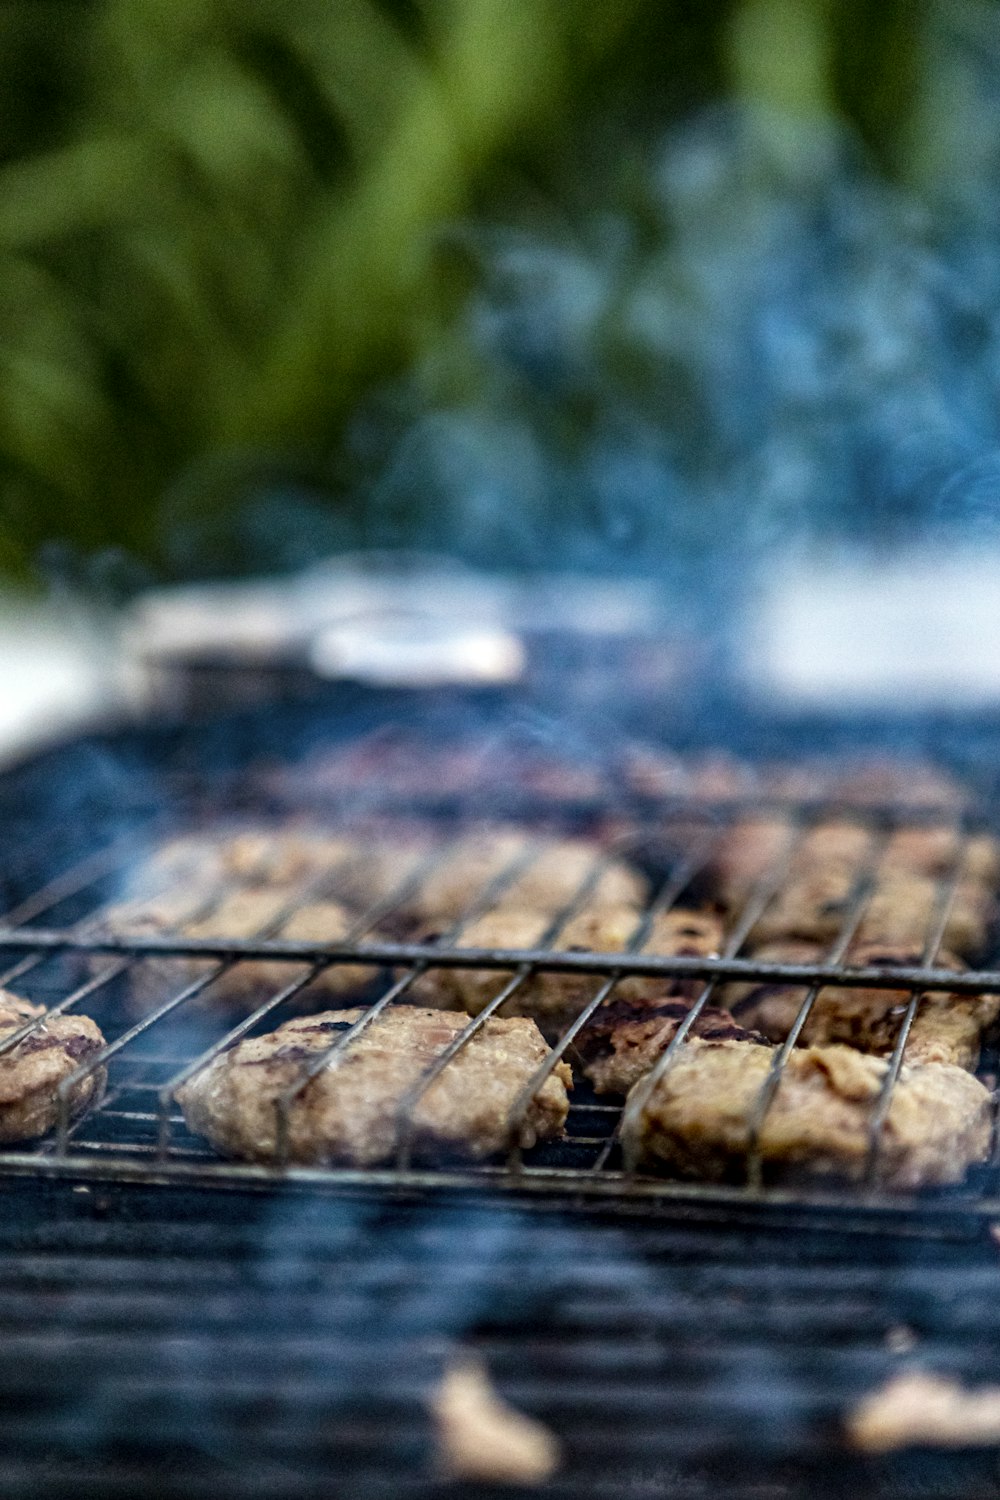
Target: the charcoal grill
(276, 1330)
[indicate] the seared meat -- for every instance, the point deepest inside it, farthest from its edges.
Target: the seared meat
(897, 782)
(814, 904)
(653, 772)
(624, 1038)
(31, 1072)
(250, 854)
(824, 870)
(697, 1119)
(946, 1027)
(364, 868)
(748, 852)
(551, 880)
(249, 912)
(935, 850)
(348, 1112)
(902, 910)
(554, 999)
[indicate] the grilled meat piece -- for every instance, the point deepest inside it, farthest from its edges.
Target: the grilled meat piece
(550, 881)
(363, 867)
(653, 772)
(348, 1111)
(947, 1028)
(625, 1038)
(902, 910)
(896, 782)
(936, 849)
(553, 999)
(698, 1117)
(824, 870)
(250, 854)
(242, 913)
(747, 853)
(814, 905)
(33, 1069)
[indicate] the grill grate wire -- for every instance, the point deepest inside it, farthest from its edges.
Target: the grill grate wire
(137, 1131)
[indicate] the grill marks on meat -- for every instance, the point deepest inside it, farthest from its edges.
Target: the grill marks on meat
(698, 1118)
(348, 1112)
(626, 1037)
(33, 1069)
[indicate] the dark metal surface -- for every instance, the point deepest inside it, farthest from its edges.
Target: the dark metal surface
(206, 1345)
(174, 1324)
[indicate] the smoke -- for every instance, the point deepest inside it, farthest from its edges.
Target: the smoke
(741, 339)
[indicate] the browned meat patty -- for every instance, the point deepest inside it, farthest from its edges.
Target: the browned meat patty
(557, 872)
(250, 854)
(748, 852)
(31, 1072)
(946, 1028)
(348, 1112)
(935, 850)
(813, 905)
(698, 1116)
(625, 1038)
(657, 773)
(553, 999)
(898, 783)
(364, 868)
(245, 912)
(903, 908)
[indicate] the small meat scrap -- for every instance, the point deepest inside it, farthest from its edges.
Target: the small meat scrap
(33, 1069)
(946, 1028)
(348, 1112)
(481, 1437)
(699, 1116)
(625, 1038)
(919, 1409)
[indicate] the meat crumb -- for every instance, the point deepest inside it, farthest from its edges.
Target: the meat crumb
(929, 1411)
(481, 1437)
(900, 1339)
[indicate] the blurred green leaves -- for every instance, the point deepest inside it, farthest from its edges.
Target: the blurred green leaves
(219, 218)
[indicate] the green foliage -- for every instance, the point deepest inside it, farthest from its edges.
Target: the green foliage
(218, 218)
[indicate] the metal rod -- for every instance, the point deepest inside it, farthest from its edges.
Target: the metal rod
(945, 900)
(391, 954)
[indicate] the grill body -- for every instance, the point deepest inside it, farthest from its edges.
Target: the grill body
(251, 1330)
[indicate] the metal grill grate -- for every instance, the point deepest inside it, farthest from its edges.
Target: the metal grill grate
(138, 1134)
